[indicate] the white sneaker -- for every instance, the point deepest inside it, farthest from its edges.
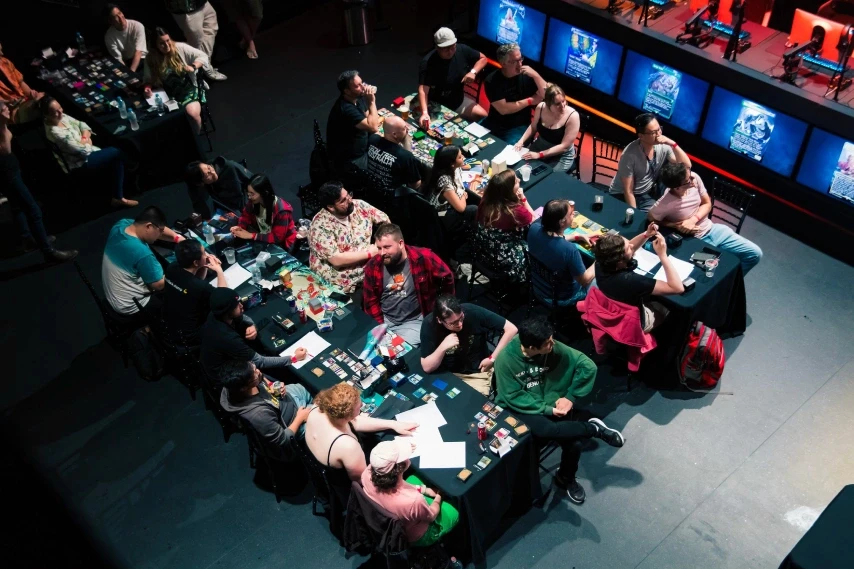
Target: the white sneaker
(216, 76)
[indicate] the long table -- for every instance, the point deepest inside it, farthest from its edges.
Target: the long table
(509, 484)
(86, 86)
(718, 301)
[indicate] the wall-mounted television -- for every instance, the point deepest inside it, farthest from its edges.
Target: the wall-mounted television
(676, 97)
(507, 21)
(583, 56)
(828, 165)
(757, 132)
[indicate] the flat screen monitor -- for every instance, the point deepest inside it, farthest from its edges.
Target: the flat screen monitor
(802, 26)
(506, 21)
(672, 95)
(760, 134)
(583, 56)
(828, 165)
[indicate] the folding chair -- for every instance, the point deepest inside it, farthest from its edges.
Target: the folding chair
(491, 253)
(606, 159)
(730, 203)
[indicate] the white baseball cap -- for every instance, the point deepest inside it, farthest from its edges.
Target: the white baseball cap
(444, 37)
(388, 453)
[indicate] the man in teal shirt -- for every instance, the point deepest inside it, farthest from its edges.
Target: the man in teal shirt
(540, 380)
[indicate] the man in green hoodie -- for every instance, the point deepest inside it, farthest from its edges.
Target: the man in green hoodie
(540, 380)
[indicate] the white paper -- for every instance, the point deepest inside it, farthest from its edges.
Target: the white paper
(446, 455)
(154, 93)
(646, 260)
(425, 415)
(682, 267)
(313, 344)
(235, 275)
(48, 52)
(477, 130)
(425, 438)
(509, 155)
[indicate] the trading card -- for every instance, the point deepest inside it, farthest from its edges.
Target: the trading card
(512, 421)
(502, 433)
(453, 393)
(419, 393)
(483, 462)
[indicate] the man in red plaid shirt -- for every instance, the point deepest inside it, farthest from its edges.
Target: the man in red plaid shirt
(402, 282)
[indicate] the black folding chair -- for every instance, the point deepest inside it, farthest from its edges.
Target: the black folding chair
(579, 141)
(211, 393)
(372, 529)
(257, 449)
(606, 160)
(489, 256)
(730, 203)
(118, 333)
(331, 504)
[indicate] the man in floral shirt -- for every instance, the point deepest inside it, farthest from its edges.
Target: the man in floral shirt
(340, 237)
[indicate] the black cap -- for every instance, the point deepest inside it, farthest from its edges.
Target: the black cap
(223, 300)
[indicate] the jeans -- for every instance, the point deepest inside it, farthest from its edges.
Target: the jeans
(723, 237)
(644, 201)
(302, 398)
(109, 164)
(511, 135)
(28, 214)
(567, 433)
(409, 330)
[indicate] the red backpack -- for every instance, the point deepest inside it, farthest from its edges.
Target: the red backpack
(702, 361)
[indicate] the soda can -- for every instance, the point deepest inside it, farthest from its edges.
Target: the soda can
(292, 302)
(277, 387)
(302, 317)
(482, 433)
(630, 215)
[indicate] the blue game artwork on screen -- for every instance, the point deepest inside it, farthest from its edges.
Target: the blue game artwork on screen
(583, 56)
(828, 165)
(506, 21)
(673, 96)
(762, 135)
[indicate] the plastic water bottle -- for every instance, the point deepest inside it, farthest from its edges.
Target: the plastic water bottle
(81, 43)
(208, 232)
(158, 103)
(256, 274)
(123, 109)
(134, 125)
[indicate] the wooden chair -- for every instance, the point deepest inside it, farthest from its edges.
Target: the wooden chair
(730, 203)
(606, 159)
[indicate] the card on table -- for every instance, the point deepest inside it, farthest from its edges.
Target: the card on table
(453, 393)
(480, 417)
(490, 424)
(464, 474)
(502, 433)
(439, 384)
(512, 421)
(521, 429)
(488, 406)
(419, 393)
(483, 462)
(415, 379)
(430, 397)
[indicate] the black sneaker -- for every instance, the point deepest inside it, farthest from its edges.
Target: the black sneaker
(573, 489)
(611, 436)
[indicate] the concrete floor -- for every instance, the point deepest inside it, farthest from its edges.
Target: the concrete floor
(726, 481)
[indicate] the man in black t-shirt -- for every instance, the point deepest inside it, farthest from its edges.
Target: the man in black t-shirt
(225, 180)
(455, 340)
(352, 118)
(187, 294)
(443, 73)
(511, 90)
(390, 156)
(615, 276)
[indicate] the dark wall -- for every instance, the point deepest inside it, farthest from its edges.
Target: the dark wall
(783, 12)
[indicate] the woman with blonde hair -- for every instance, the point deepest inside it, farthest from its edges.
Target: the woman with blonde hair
(172, 66)
(552, 131)
(331, 434)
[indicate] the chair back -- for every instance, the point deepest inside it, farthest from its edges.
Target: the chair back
(257, 449)
(584, 120)
(606, 160)
(309, 201)
(114, 328)
(324, 494)
(730, 203)
(370, 525)
(57, 153)
(319, 168)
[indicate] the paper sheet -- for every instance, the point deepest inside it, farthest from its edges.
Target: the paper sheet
(476, 130)
(425, 415)
(682, 267)
(425, 438)
(154, 93)
(646, 261)
(235, 275)
(510, 155)
(446, 455)
(313, 344)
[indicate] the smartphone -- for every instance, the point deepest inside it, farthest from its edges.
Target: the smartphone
(711, 252)
(539, 169)
(702, 257)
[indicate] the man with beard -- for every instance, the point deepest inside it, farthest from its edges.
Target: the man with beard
(340, 236)
(402, 283)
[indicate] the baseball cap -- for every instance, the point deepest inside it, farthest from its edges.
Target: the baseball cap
(444, 37)
(223, 300)
(388, 453)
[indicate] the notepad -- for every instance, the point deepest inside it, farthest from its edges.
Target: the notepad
(313, 344)
(646, 261)
(684, 269)
(445, 455)
(425, 415)
(476, 130)
(235, 275)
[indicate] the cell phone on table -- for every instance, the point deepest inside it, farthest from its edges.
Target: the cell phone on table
(702, 257)
(539, 169)
(713, 252)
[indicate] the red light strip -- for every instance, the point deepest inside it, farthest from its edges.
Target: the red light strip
(711, 167)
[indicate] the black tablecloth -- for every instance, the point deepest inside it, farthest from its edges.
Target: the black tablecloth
(508, 485)
(163, 144)
(828, 544)
(719, 301)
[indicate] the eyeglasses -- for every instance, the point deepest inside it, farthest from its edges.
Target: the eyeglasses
(520, 60)
(656, 131)
(455, 323)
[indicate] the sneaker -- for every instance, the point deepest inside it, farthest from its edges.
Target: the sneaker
(57, 256)
(611, 436)
(30, 243)
(3, 199)
(574, 490)
(215, 75)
